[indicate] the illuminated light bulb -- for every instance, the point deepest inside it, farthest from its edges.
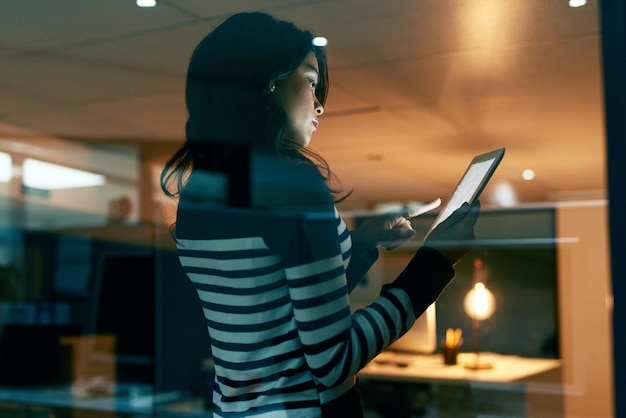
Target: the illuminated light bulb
(479, 302)
(577, 3)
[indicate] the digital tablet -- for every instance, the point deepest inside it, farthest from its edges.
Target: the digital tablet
(471, 185)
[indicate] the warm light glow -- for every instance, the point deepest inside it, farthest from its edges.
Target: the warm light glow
(479, 28)
(503, 194)
(320, 41)
(146, 3)
(479, 302)
(47, 176)
(5, 167)
(577, 3)
(528, 174)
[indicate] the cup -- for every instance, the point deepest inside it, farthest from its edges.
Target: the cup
(450, 355)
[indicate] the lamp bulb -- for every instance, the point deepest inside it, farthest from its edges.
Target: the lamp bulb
(479, 302)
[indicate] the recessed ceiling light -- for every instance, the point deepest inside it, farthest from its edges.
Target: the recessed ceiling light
(528, 174)
(146, 3)
(577, 3)
(320, 41)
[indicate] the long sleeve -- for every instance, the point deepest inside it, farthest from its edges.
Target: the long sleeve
(360, 263)
(424, 278)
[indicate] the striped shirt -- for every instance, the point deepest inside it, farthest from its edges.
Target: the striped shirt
(273, 285)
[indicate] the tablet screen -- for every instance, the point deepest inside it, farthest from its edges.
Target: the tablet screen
(472, 183)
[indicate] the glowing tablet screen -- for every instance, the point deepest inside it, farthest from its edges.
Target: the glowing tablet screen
(472, 183)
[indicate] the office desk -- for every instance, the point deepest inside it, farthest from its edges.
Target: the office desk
(413, 367)
(421, 385)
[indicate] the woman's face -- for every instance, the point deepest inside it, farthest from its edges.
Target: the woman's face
(296, 95)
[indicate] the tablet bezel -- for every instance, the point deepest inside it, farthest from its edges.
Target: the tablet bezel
(495, 157)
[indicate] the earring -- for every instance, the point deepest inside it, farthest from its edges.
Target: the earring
(272, 86)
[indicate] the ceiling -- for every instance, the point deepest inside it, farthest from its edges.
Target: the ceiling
(417, 86)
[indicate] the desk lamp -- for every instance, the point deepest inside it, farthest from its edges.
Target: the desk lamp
(479, 305)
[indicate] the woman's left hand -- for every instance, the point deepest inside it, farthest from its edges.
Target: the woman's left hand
(388, 231)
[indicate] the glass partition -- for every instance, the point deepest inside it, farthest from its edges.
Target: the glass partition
(97, 316)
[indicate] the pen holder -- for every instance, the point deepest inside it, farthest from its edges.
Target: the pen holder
(450, 355)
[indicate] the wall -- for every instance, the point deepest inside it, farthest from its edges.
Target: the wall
(585, 308)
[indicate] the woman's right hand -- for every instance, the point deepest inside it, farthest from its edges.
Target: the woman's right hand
(453, 237)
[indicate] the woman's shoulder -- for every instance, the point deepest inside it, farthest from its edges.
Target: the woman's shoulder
(287, 186)
(275, 186)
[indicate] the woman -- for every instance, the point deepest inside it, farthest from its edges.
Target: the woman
(259, 237)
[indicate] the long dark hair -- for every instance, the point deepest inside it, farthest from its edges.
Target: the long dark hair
(228, 98)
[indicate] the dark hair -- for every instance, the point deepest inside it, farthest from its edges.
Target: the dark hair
(228, 101)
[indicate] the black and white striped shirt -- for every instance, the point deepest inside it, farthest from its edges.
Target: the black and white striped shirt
(273, 285)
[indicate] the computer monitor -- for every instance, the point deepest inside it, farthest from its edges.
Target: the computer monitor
(124, 305)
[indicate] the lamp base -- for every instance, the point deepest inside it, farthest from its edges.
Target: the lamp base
(478, 366)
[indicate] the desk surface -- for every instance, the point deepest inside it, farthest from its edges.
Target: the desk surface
(412, 367)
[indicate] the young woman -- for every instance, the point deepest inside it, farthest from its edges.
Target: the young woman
(259, 237)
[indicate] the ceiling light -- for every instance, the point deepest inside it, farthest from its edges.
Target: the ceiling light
(504, 194)
(528, 174)
(47, 176)
(577, 3)
(146, 3)
(320, 41)
(5, 167)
